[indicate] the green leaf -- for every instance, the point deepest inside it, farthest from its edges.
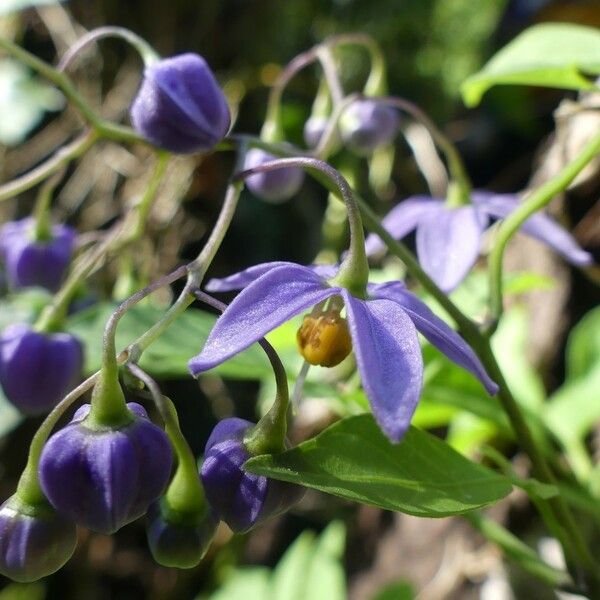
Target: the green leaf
(550, 54)
(420, 476)
(23, 307)
(23, 591)
(583, 346)
(312, 568)
(167, 356)
(10, 417)
(23, 101)
(250, 583)
(574, 408)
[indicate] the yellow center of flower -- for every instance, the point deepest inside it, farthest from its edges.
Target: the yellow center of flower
(323, 339)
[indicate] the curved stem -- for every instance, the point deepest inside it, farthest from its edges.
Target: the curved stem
(145, 50)
(376, 84)
(271, 131)
(196, 270)
(537, 200)
(185, 493)
(28, 487)
(354, 270)
(54, 164)
(104, 128)
(455, 163)
(41, 211)
(269, 434)
(327, 61)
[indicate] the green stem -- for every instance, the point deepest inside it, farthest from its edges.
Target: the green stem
(376, 84)
(41, 212)
(139, 215)
(52, 318)
(271, 131)
(55, 163)
(456, 166)
(28, 488)
(353, 273)
(268, 436)
(537, 200)
(108, 402)
(196, 270)
(185, 493)
(148, 54)
(104, 128)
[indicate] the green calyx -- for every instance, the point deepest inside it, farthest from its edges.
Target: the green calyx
(108, 406)
(35, 508)
(457, 195)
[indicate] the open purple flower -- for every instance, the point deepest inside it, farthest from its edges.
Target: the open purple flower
(383, 328)
(449, 238)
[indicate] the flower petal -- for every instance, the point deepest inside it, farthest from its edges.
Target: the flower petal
(240, 280)
(539, 226)
(448, 244)
(389, 359)
(437, 332)
(262, 306)
(402, 219)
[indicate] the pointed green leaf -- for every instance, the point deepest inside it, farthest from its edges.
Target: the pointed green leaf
(421, 475)
(550, 54)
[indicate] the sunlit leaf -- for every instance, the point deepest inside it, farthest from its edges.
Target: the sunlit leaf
(555, 55)
(421, 475)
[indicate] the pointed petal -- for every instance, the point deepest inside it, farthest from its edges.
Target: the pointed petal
(448, 244)
(389, 359)
(402, 219)
(437, 332)
(541, 227)
(262, 306)
(240, 280)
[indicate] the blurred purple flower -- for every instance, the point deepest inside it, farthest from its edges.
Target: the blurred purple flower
(35, 263)
(180, 106)
(449, 239)
(239, 498)
(383, 328)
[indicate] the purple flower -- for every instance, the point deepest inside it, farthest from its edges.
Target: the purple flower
(449, 239)
(105, 478)
(35, 263)
(34, 541)
(383, 328)
(238, 497)
(274, 186)
(367, 124)
(180, 106)
(38, 369)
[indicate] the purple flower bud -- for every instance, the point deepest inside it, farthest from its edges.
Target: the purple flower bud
(38, 369)
(35, 263)
(180, 106)
(177, 539)
(238, 497)
(366, 124)
(275, 186)
(104, 478)
(34, 541)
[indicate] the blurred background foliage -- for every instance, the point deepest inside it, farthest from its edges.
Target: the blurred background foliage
(430, 46)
